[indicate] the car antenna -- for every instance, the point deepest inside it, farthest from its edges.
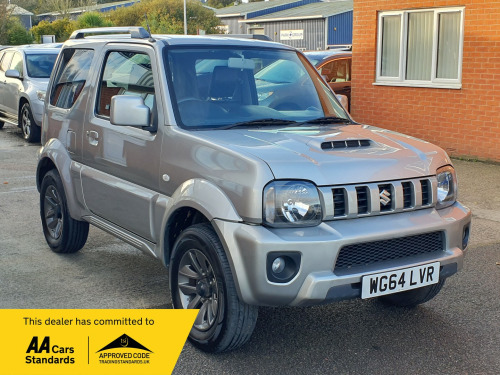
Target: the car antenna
(151, 39)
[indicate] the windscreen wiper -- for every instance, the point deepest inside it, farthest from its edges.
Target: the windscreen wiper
(259, 122)
(327, 120)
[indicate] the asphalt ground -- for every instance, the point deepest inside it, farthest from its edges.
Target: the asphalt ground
(458, 332)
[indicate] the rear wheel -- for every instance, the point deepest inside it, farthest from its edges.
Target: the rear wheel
(62, 233)
(413, 297)
(31, 131)
(200, 278)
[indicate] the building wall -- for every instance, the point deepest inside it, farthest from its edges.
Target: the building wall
(235, 27)
(340, 28)
(464, 122)
(314, 33)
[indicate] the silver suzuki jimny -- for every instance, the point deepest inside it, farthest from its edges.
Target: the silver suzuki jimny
(232, 162)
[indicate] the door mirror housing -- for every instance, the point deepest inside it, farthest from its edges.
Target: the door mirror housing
(343, 100)
(127, 110)
(12, 73)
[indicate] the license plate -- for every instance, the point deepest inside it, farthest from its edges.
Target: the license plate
(380, 284)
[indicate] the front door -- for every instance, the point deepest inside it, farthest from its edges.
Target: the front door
(120, 178)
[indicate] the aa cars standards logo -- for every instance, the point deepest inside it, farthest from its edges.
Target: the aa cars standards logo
(124, 350)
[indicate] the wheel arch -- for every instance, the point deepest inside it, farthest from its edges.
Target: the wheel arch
(195, 201)
(53, 155)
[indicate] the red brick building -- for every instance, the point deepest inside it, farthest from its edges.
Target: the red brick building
(430, 69)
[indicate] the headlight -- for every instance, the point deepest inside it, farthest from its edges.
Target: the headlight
(40, 94)
(446, 187)
(291, 204)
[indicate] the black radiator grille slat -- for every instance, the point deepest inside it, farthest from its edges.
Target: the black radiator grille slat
(339, 201)
(362, 195)
(364, 254)
(407, 194)
(426, 196)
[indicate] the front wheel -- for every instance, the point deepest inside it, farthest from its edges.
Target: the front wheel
(414, 297)
(62, 233)
(200, 278)
(31, 131)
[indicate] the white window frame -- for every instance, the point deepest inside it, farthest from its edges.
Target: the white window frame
(401, 80)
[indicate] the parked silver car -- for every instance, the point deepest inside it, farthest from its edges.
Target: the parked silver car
(24, 76)
(169, 143)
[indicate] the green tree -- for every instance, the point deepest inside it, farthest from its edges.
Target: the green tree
(167, 16)
(17, 34)
(61, 28)
(92, 19)
(219, 3)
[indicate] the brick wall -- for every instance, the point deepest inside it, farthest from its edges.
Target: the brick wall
(464, 122)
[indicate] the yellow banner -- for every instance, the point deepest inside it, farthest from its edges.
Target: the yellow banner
(92, 342)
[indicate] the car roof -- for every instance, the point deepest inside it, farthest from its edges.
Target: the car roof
(35, 49)
(321, 56)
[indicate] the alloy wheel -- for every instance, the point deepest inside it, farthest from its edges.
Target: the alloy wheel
(53, 212)
(198, 288)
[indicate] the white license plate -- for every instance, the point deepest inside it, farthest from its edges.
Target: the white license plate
(380, 284)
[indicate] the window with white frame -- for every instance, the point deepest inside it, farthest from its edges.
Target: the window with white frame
(420, 47)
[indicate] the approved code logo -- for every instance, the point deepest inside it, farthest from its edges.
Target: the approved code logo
(130, 352)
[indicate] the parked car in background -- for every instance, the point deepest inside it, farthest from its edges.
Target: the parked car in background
(24, 76)
(335, 67)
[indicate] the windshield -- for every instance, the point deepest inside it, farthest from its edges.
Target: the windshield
(220, 87)
(40, 65)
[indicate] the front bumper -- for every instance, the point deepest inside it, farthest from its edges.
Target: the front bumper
(317, 282)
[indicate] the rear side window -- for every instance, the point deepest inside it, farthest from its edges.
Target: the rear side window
(17, 63)
(71, 77)
(125, 73)
(7, 57)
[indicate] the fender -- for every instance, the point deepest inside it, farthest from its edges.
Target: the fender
(54, 154)
(198, 194)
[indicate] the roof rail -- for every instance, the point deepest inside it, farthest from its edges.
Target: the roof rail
(136, 32)
(244, 36)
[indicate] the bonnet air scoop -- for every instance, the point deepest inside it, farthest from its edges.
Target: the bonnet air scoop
(350, 143)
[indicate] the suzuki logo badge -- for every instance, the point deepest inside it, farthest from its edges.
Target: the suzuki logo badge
(385, 197)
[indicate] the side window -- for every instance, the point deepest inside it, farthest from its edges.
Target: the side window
(7, 57)
(71, 77)
(337, 70)
(125, 73)
(17, 63)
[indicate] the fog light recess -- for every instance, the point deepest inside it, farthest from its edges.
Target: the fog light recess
(282, 266)
(465, 237)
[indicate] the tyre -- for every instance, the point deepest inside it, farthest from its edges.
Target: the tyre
(200, 278)
(31, 131)
(62, 233)
(1, 124)
(414, 297)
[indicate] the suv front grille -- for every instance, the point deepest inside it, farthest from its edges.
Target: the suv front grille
(361, 200)
(364, 254)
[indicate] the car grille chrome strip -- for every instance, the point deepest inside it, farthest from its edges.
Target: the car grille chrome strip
(370, 199)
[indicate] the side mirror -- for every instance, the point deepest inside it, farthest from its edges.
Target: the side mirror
(12, 73)
(129, 110)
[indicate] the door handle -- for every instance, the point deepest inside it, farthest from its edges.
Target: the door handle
(93, 137)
